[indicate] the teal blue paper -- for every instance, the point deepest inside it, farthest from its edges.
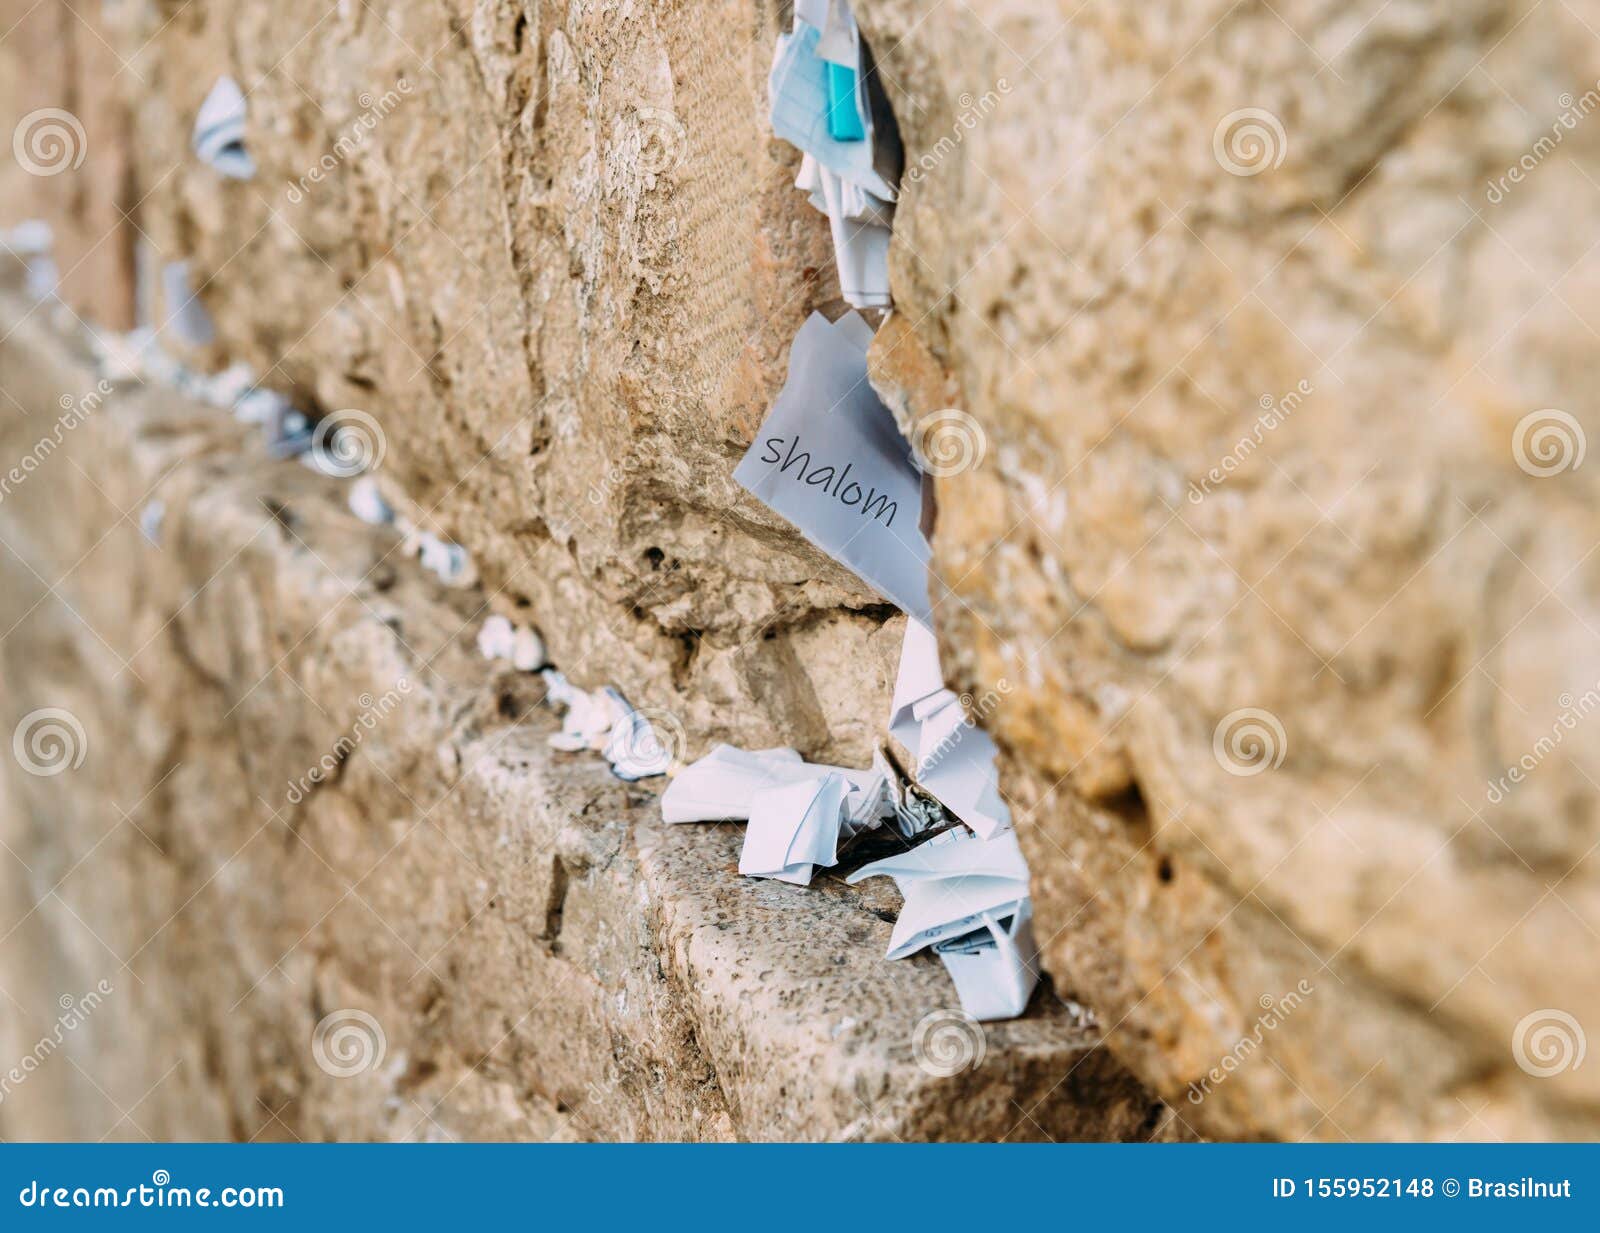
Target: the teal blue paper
(844, 120)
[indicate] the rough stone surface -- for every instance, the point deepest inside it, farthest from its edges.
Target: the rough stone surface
(556, 252)
(562, 271)
(543, 957)
(67, 155)
(1406, 609)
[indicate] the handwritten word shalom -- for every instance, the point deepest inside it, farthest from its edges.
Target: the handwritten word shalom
(835, 482)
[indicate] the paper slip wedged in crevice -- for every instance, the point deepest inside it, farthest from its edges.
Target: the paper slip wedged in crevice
(823, 102)
(860, 224)
(186, 315)
(30, 242)
(954, 757)
(797, 812)
(836, 26)
(996, 966)
(367, 503)
(520, 645)
(151, 518)
(968, 898)
(798, 93)
(602, 719)
(449, 562)
(829, 458)
(219, 131)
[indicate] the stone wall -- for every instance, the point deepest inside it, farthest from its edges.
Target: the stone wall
(1259, 554)
(284, 860)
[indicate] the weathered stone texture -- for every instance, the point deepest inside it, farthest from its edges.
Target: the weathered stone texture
(555, 250)
(67, 152)
(562, 270)
(1379, 575)
(544, 957)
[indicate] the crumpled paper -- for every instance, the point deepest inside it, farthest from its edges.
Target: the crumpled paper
(969, 899)
(218, 138)
(797, 813)
(603, 720)
(520, 645)
(955, 758)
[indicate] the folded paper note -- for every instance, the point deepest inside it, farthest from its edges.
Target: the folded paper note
(186, 315)
(996, 966)
(837, 39)
(954, 759)
(219, 131)
(797, 89)
(798, 812)
(449, 562)
(288, 431)
(366, 502)
(30, 242)
(828, 116)
(519, 644)
(602, 719)
(634, 748)
(860, 226)
(793, 828)
(150, 519)
(829, 458)
(968, 898)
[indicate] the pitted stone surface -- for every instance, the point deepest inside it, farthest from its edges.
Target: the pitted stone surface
(563, 267)
(544, 957)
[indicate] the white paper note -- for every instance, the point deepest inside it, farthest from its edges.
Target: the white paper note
(186, 315)
(969, 899)
(798, 94)
(219, 131)
(829, 458)
(954, 758)
(793, 828)
(798, 812)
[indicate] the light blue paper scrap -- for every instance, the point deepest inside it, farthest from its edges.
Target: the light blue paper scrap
(830, 459)
(797, 90)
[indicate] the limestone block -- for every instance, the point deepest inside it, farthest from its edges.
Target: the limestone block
(339, 885)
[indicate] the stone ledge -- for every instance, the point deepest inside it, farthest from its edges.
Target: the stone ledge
(545, 958)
